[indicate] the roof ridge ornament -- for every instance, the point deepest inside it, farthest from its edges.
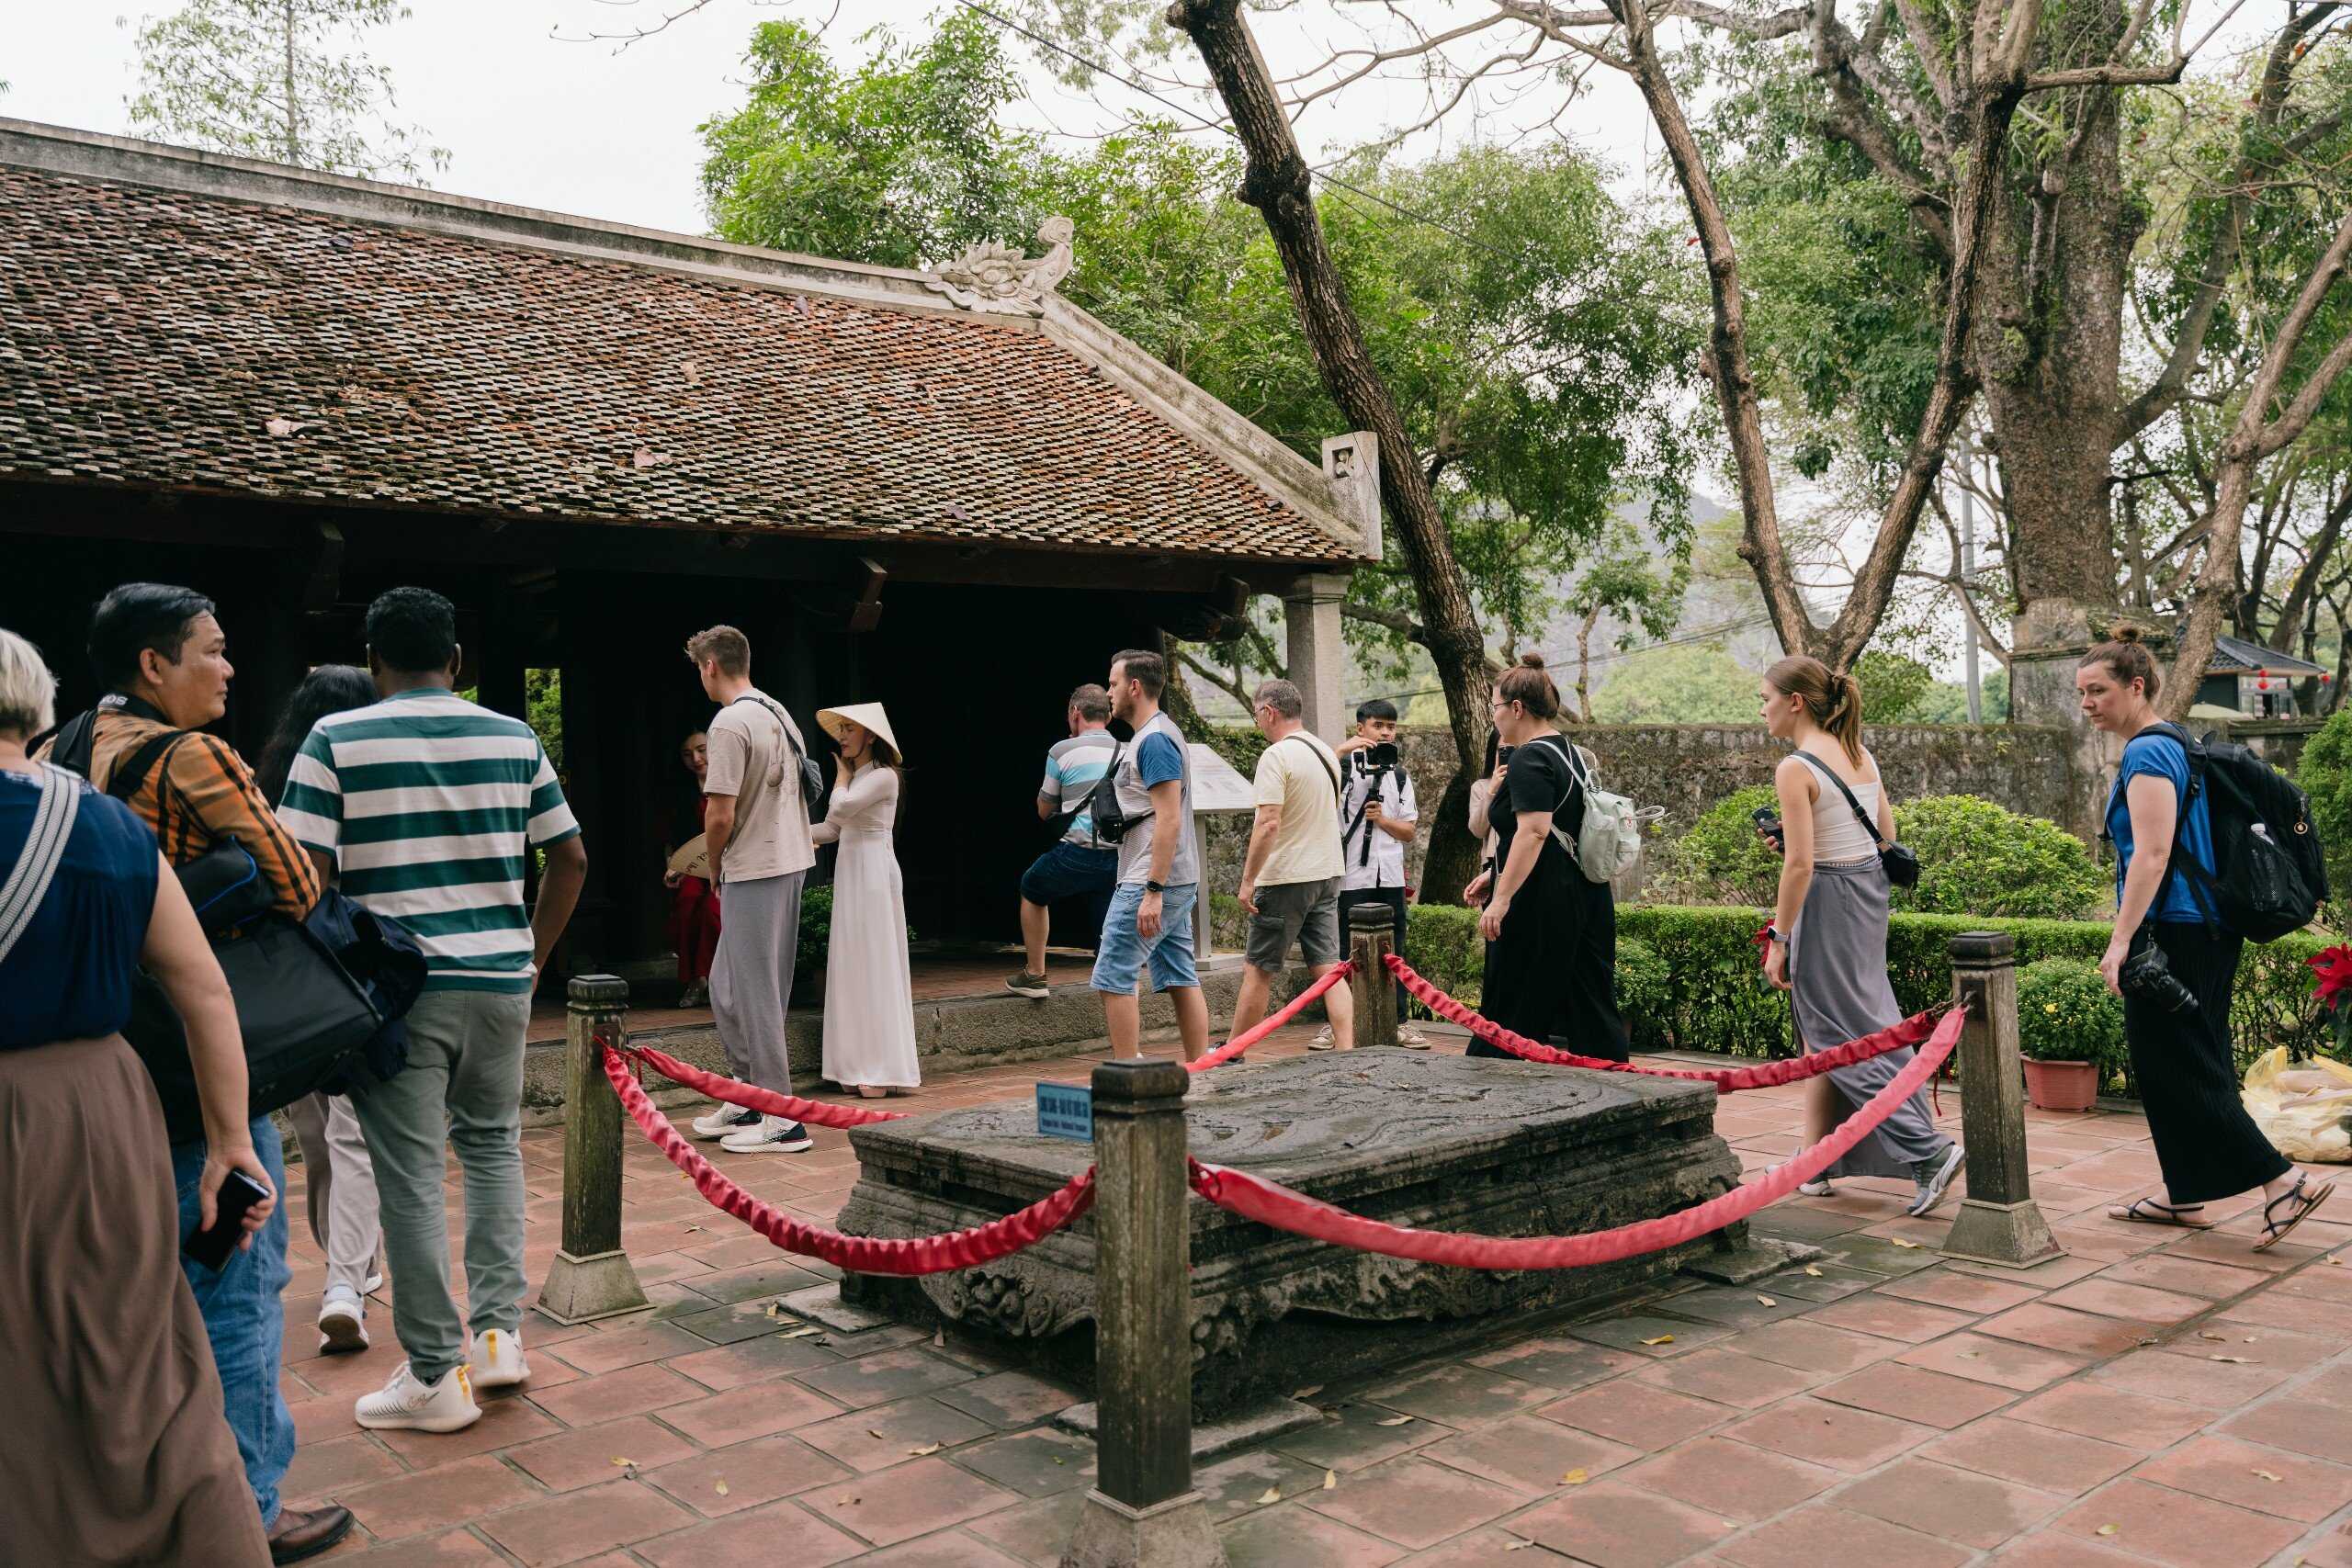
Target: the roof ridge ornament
(995, 279)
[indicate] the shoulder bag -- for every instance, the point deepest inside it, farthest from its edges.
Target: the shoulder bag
(1901, 866)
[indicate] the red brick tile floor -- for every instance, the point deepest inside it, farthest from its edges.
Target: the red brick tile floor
(2155, 1397)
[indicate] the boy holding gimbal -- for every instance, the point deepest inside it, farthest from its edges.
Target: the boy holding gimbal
(1378, 817)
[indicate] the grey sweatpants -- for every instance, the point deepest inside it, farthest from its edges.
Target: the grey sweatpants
(751, 980)
(339, 1189)
(463, 1086)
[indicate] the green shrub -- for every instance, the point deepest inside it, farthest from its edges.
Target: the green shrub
(2326, 775)
(816, 927)
(1644, 991)
(1442, 945)
(2065, 1014)
(1977, 858)
(1719, 1001)
(1721, 860)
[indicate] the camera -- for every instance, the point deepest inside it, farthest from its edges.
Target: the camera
(2148, 975)
(1383, 755)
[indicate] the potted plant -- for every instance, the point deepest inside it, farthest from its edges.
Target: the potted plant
(2070, 1027)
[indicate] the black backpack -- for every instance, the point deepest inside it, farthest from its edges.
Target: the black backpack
(2271, 877)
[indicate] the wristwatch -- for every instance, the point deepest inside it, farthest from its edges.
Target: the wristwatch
(1155, 888)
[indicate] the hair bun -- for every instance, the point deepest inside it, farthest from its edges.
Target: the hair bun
(1530, 660)
(2127, 632)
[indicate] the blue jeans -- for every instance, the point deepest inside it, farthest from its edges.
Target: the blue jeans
(244, 1317)
(1121, 958)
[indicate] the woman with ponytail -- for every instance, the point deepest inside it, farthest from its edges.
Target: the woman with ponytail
(1550, 935)
(1827, 943)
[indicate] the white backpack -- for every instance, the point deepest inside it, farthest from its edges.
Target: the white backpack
(1609, 843)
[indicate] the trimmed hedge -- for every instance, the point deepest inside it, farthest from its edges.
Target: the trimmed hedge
(1687, 978)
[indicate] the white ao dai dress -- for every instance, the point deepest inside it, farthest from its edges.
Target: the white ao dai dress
(869, 996)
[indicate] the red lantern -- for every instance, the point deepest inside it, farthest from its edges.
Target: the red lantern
(2262, 685)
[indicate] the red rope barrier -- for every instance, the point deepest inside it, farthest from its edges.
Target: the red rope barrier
(864, 1254)
(791, 1107)
(1270, 1204)
(1297, 1004)
(1919, 1026)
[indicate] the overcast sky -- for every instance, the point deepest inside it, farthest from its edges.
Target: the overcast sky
(582, 128)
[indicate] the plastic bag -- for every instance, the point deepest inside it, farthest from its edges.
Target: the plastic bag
(2303, 1108)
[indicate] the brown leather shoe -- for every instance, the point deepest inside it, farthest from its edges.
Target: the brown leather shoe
(298, 1534)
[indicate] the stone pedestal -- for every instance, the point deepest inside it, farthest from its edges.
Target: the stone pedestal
(1437, 1142)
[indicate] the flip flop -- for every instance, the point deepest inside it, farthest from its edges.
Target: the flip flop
(2275, 1231)
(2164, 1214)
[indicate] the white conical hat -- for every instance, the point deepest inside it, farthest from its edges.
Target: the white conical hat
(869, 715)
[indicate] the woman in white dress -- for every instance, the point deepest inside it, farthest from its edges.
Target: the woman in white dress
(869, 996)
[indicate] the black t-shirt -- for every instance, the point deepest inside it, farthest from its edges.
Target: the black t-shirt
(1539, 780)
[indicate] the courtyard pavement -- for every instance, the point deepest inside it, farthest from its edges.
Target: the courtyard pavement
(2152, 1397)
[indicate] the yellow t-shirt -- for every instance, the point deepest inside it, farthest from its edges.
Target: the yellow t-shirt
(1297, 773)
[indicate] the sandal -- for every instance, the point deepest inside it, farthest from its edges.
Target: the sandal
(2148, 1211)
(2275, 1231)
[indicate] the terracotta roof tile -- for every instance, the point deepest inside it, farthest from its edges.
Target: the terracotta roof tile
(159, 337)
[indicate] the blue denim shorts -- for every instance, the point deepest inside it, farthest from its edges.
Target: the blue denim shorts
(1069, 871)
(1119, 960)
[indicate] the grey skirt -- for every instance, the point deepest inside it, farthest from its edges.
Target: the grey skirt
(1837, 971)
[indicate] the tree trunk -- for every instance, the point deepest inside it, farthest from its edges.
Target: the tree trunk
(1176, 696)
(1276, 182)
(1584, 665)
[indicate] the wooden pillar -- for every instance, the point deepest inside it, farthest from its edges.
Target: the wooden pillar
(1371, 936)
(1142, 1511)
(1998, 1221)
(591, 1277)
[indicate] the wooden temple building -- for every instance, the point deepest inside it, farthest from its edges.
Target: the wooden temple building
(951, 492)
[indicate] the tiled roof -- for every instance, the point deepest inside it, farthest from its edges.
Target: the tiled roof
(185, 338)
(2232, 654)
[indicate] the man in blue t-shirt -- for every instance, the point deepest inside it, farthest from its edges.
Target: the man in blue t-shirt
(1080, 866)
(1159, 874)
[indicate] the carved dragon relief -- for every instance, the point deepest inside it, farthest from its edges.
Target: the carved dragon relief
(995, 279)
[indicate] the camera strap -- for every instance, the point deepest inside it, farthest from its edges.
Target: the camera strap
(28, 880)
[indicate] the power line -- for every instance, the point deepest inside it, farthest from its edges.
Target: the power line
(1683, 640)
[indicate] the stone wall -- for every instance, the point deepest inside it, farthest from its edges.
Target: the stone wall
(1686, 768)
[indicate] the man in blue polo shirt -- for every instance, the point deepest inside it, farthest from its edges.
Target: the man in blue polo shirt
(1080, 866)
(1159, 874)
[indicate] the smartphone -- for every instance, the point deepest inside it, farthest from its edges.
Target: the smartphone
(1768, 822)
(237, 1194)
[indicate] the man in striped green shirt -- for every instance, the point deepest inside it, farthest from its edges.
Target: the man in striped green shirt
(422, 809)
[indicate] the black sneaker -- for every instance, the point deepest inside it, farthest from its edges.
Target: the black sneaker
(1934, 1179)
(1029, 984)
(725, 1122)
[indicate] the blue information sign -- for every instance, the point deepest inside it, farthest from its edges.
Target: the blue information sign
(1066, 1111)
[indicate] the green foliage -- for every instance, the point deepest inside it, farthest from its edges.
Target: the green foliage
(1693, 683)
(1645, 990)
(1442, 941)
(1538, 339)
(1721, 860)
(2324, 773)
(2065, 1014)
(1623, 578)
(1893, 685)
(816, 928)
(1720, 1001)
(543, 711)
(277, 79)
(1977, 858)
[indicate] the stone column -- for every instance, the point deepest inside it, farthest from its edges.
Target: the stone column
(1142, 1511)
(590, 1277)
(1371, 936)
(1998, 1221)
(1352, 462)
(1311, 616)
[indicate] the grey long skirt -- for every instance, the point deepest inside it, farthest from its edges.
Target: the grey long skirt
(1837, 967)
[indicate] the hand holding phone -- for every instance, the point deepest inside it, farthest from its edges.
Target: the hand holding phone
(1768, 822)
(211, 1245)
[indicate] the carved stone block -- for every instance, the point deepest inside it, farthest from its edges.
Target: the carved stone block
(1436, 1142)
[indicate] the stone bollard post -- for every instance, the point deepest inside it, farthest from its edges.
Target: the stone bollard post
(1142, 1511)
(590, 1277)
(1998, 1221)
(1371, 934)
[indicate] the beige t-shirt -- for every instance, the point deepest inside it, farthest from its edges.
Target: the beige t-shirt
(750, 760)
(1297, 773)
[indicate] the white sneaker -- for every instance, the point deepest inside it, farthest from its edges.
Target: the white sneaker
(725, 1122)
(1411, 1039)
(1817, 1188)
(343, 1325)
(410, 1402)
(771, 1135)
(495, 1359)
(1322, 1041)
(375, 1283)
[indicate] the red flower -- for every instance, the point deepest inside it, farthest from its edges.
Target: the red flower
(2332, 973)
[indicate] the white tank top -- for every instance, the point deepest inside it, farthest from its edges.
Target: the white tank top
(1837, 836)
